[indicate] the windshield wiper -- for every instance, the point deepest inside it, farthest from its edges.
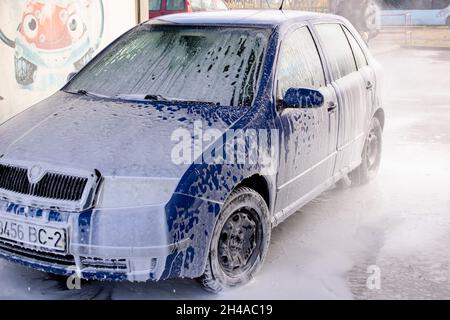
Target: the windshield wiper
(155, 97)
(151, 97)
(83, 92)
(158, 97)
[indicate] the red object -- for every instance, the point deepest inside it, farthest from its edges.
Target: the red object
(162, 7)
(51, 26)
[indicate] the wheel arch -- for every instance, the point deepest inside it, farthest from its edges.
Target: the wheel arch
(253, 184)
(262, 185)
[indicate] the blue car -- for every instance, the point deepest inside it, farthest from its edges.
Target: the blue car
(178, 148)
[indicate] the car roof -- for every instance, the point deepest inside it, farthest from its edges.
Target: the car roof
(263, 18)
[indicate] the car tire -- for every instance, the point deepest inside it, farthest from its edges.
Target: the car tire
(25, 71)
(448, 22)
(371, 156)
(240, 241)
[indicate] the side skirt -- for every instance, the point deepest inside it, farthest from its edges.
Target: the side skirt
(282, 215)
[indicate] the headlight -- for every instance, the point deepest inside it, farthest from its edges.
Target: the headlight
(126, 192)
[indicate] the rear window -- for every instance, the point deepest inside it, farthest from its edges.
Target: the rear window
(154, 5)
(175, 5)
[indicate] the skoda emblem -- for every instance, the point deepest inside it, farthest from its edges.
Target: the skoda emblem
(35, 174)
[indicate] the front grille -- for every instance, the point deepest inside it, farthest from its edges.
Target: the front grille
(52, 185)
(37, 255)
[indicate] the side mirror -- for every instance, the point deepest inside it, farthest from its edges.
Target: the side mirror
(303, 98)
(71, 76)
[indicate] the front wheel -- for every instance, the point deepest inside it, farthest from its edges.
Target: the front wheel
(240, 241)
(371, 156)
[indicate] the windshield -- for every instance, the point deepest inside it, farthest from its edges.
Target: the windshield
(204, 64)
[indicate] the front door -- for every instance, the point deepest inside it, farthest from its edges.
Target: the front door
(309, 136)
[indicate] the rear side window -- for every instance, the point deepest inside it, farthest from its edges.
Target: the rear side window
(337, 49)
(175, 5)
(154, 5)
(360, 57)
(299, 64)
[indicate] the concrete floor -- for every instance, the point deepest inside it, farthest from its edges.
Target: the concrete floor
(400, 223)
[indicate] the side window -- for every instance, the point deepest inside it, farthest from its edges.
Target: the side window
(360, 57)
(175, 5)
(154, 5)
(299, 64)
(337, 49)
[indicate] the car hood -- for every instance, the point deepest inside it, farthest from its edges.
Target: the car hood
(118, 138)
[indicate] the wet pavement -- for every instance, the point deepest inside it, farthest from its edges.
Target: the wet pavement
(397, 226)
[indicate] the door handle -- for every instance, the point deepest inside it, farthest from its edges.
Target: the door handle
(332, 106)
(369, 85)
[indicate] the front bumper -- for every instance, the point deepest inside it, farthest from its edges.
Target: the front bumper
(132, 269)
(105, 244)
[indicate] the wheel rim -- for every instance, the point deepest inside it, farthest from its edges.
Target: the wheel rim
(373, 149)
(239, 241)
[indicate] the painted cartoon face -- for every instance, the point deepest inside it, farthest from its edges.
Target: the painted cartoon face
(49, 25)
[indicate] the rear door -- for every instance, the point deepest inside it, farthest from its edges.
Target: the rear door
(351, 89)
(366, 71)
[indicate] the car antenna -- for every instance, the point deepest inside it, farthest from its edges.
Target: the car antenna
(282, 4)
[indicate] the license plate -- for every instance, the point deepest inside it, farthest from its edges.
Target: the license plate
(44, 237)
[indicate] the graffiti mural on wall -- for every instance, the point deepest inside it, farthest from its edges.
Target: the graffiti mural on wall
(54, 38)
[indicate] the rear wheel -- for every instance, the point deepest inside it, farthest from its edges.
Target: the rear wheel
(240, 241)
(371, 157)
